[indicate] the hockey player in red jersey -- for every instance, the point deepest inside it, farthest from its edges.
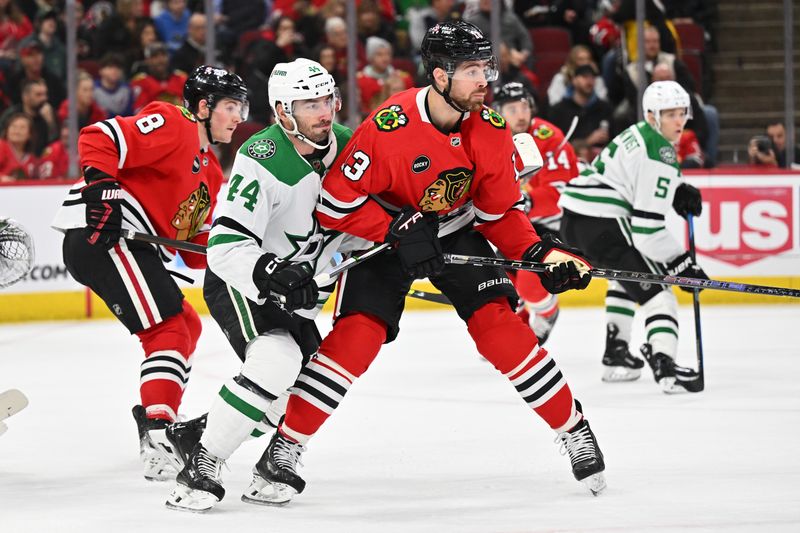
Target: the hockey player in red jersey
(435, 170)
(154, 173)
(539, 308)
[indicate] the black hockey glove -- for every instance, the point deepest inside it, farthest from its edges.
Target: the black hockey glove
(103, 198)
(569, 269)
(418, 246)
(683, 266)
(293, 281)
(687, 201)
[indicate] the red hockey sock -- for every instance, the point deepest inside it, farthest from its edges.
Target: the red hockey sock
(529, 287)
(510, 345)
(343, 356)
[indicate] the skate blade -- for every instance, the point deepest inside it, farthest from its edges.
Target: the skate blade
(161, 444)
(596, 483)
(261, 492)
(672, 386)
(614, 374)
(12, 402)
(185, 499)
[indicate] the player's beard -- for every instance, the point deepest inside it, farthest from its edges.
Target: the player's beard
(473, 102)
(315, 134)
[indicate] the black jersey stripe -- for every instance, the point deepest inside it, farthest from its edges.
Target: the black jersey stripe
(647, 214)
(594, 186)
(114, 136)
(230, 223)
(344, 210)
(649, 320)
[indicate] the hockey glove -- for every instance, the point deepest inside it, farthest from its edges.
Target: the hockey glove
(418, 246)
(683, 266)
(103, 199)
(567, 269)
(687, 201)
(293, 281)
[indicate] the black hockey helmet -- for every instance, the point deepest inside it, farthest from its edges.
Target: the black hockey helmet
(512, 91)
(211, 83)
(449, 43)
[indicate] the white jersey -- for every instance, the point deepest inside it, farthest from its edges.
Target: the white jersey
(268, 206)
(633, 180)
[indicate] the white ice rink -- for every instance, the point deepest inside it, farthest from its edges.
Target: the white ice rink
(431, 439)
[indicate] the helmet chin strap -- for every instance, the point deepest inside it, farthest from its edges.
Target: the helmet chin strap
(296, 132)
(446, 95)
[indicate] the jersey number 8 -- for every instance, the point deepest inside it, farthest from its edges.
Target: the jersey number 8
(149, 123)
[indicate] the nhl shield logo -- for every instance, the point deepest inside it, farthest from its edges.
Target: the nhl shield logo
(196, 165)
(262, 149)
(455, 142)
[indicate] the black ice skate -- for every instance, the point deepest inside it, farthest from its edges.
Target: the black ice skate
(154, 449)
(199, 484)
(618, 362)
(542, 326)
(671, 377)
(584, 454)
(183, 437)
(278, 470)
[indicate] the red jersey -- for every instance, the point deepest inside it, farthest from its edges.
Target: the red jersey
(17, 169)
(689, 150)
(398, 158)
(560, 166)
(148, 89)
(369, 88)
(54, 162)
(169, 182)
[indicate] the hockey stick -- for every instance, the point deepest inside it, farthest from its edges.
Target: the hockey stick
(567, 135)
(163, 241)
(696, 303)
(622, 275)
(434, 297)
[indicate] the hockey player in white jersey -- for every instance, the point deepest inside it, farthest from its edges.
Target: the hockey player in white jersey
(266, 245)
(615, 211)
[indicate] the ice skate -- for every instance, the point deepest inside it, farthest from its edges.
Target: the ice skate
(278, 467)
(584, 454)
(155, 450)
(619, 364)
(199, 484)
(542, 325)
(672, 378)
(183, 437)
(262, 492)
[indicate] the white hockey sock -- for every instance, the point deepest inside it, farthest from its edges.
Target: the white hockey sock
(232, 418)
(661, 324)
(620, 309)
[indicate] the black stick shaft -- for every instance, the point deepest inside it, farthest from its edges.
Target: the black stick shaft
(698, 335)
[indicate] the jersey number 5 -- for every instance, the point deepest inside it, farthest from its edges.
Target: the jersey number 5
(359, 166)
(149, 123)
(662, 187)
(249, 193)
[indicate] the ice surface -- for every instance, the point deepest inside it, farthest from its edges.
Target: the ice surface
(431, 439)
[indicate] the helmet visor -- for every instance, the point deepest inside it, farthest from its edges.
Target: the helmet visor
(478, 71)
(314, 107)
(232, 106)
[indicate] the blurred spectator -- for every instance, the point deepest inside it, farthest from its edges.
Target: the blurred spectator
(374, 80)
(535, 13)
(88, 111)
(336, 36)
(84, 38)
(561, 84)
(625, 16)
(604, 34)
(688, 150)
(17, 161)
(31, 67)
(53, 49)
(576, 16)
(192, 52)
(309, 23)
(54, 163)
(370, 23)
(513, 32)
(326, 56)
(14, 26)
(159, 83)
(173, 24)
(582, 151)
(761, 152)
(111, 92)
(777, 134)
(146, 35)
(286, 46)
(702, 12)
(118, 33)
(594, 114)
(510, 72)
(234, 18)
(35, 105)
(421, 20)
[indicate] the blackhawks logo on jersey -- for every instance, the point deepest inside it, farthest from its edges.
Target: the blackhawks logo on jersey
(186, 113)
(192, 213)
(446, 190)
(543, 132)
(493, 117)
(390, 118)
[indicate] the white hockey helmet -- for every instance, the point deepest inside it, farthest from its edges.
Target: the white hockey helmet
(302, 79)
(661, 95)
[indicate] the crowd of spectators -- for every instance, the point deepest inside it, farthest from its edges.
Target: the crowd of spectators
(132, 52)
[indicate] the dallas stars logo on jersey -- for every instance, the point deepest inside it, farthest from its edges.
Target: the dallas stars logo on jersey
(390, 118)
(262, 149)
